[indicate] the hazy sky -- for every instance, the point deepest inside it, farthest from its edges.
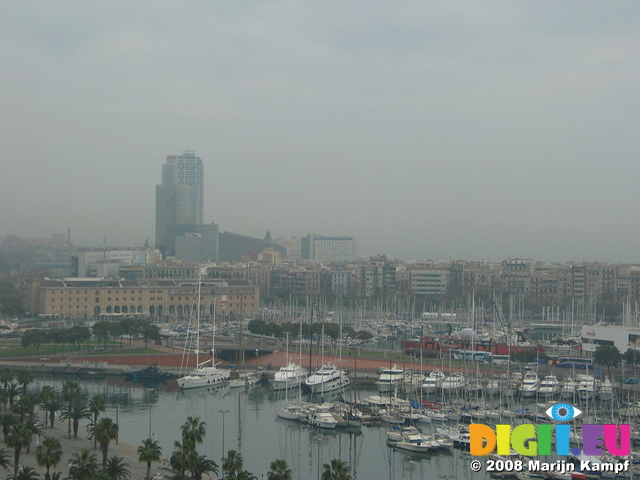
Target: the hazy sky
(476, 130)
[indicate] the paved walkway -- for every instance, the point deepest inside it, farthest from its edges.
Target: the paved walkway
(74, 445)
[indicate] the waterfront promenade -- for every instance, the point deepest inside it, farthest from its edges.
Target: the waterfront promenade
(72, 445)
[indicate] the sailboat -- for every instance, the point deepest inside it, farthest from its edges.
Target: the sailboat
(203, 375)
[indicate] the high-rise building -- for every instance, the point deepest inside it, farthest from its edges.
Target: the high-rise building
(175, 205)
(186, 169)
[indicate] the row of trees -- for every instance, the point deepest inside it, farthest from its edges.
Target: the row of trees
(279, 330)
(102, 331)
(20, 425)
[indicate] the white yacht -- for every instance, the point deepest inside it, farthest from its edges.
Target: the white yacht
(289, 376)
(569, 387)
(327, 379)
(588, 386)
(203, 375)
(322, 420)
(390, 379)
(550, 386)
(433, 382)
(529, 385)
(606, 390)
(453, 382)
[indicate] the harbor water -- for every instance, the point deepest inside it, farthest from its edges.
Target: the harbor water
(246, 421)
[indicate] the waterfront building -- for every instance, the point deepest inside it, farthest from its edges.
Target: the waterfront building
(84, 299)
(175, 205)
(186, 169)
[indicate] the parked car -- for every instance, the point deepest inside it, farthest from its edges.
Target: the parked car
(632, 380)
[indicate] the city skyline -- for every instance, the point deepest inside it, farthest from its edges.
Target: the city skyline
(476, 131)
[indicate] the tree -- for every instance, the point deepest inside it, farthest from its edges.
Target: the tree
(6, 377)
(198, 465)
(232, 464)
(19, 438)
(149, 451)
(336, 470)
(33, 337)
(193, 431)
(25, 405)
(12, 392)
(25, 473)
(607, 356)
(116, 469)
(49, 454)
(70, 393)
(74, 414)
(105, 431)
(5, 459)
(279, 471)
(51, 404)
(7, 420)
(83, 466)
(97, 404)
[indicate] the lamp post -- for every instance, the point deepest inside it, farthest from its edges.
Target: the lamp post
(117, 406)
(223, 412)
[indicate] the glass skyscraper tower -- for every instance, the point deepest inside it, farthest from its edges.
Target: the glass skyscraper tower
(178, 198)
(185, 169)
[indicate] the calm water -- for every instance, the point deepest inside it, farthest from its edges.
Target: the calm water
(251, 427)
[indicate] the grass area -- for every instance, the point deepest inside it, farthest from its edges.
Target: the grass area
(16, 350)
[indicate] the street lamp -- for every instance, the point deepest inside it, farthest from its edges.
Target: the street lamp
(223, 412)
(117, 406)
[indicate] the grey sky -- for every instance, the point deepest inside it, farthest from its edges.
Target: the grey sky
(427, 129)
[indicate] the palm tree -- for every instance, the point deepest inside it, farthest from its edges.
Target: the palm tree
(279, 471)
(198, 465)
(116, 469)
(26, 404)
(24, 378)
(52, 404)
(337, 470)
(19, 438)
(7, 420)
(5, 459)
(193, 431)
(6, 377)
(96, 405)
(4, 396)
(49, 454)
(179, 460)
(25, 473)
(70, 393)
(83, 466)
(12, 392)
(149, 451)
(46, 394)
(76, 412)
(105, 431)
(34, 427)
(232, 464)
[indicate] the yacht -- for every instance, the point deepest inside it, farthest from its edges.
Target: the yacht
(433, 382)
(453, 382)
(322, 420)
(289, 376)
(588, 386)
(327, 379)
(390, 379)
(569, 387)
(606, 390)
(529, 386)
(203, 375)
(550, 386)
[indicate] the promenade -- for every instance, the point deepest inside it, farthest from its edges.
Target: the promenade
(71, 446)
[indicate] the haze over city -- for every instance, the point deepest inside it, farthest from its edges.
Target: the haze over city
(480, 130)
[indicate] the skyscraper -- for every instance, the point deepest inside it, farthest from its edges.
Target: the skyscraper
(179, 199)
(186, 169)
